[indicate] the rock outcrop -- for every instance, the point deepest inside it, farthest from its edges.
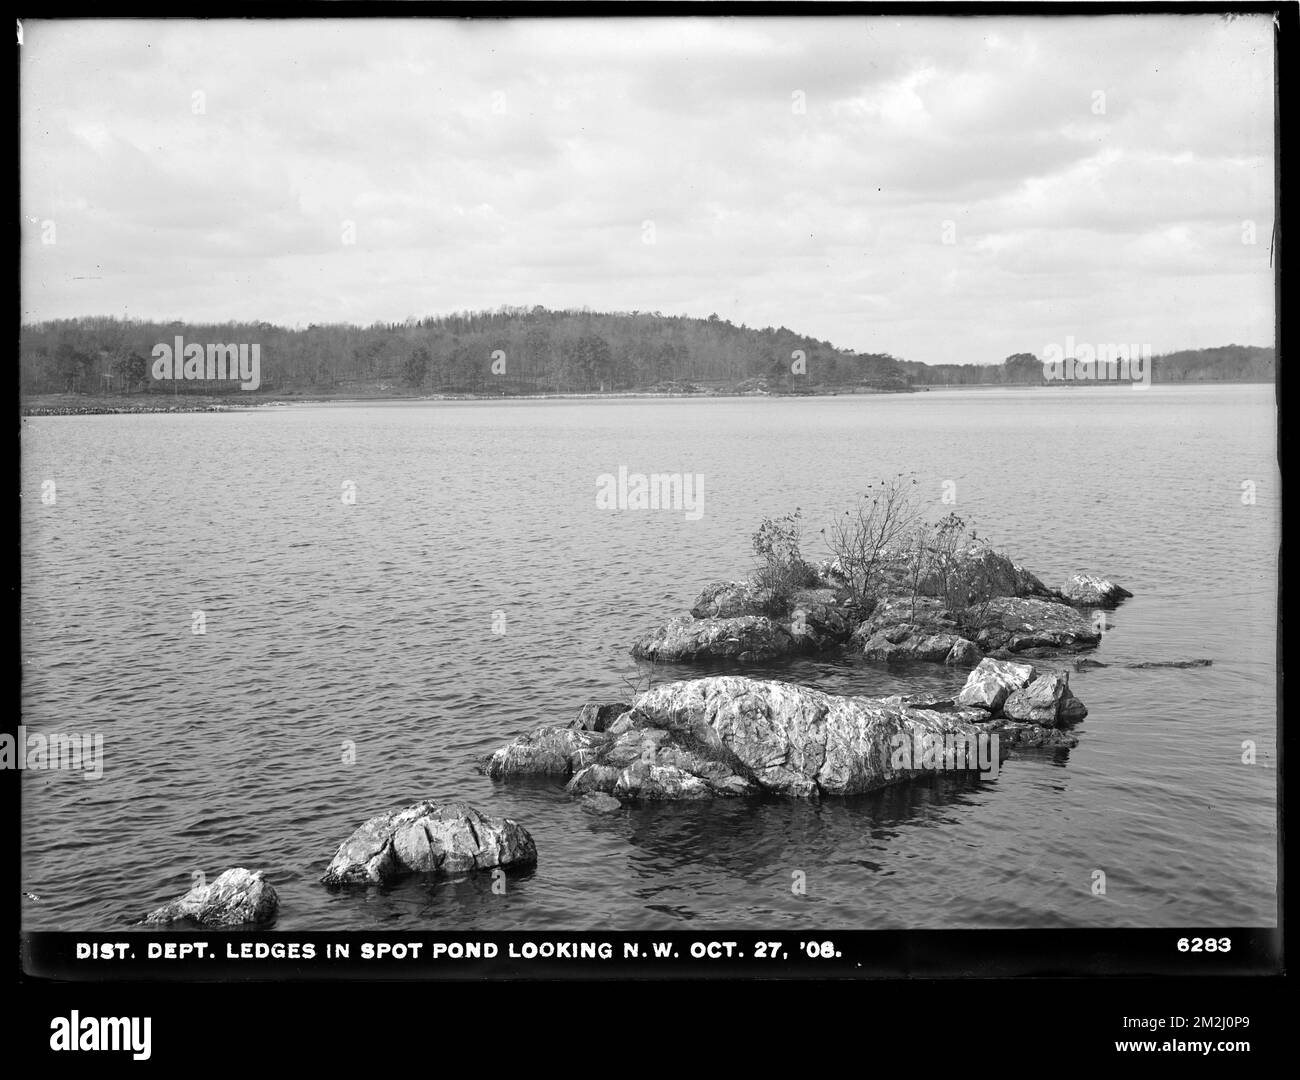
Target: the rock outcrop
(992, 682)
(1084, 590)
(731, 735)
(597, 717)
(980, 603)
(747, 638)
(238, 897)
(731, 599)
(905, 628)
(1018, 692)
(741, 621)
(1008, 625)
(992, 572)
(426, 838)
(921, 628)
(1047, 701)
(545, 751)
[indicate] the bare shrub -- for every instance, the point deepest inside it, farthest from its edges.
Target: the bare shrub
(781, 569)
(865, 540)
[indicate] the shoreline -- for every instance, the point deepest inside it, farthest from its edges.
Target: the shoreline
(132, 405)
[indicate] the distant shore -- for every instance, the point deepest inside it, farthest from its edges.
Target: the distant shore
(113, 404)
(128, 404)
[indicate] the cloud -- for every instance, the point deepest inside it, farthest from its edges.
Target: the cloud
(938, 188)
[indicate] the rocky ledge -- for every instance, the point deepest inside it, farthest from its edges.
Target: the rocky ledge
(239, 897)
(906, 620)
(1084, 590)
(426, 838)
(732, 735)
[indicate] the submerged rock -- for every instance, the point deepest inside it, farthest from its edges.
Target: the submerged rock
(601, 803)
(730, 735)
(1014, 734)
(427, 838)
(1085, 590)
(238, 897)
(1083, 665)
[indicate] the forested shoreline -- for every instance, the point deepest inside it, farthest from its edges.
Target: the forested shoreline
(520, 351)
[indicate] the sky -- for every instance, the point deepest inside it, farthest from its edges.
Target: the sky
(950, 190)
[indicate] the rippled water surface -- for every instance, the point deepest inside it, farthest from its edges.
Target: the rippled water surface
(370, 625)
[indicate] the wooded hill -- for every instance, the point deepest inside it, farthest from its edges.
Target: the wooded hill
(516, 350)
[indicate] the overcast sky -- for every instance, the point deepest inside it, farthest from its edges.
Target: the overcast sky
(947, 190)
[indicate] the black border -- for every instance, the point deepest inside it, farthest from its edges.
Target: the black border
(959, 1017)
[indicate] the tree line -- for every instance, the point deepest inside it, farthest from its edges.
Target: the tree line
(1226, 363)
(516, 350)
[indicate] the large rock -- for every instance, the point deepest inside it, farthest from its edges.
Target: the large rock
(741, 621)
(905, 617)
(916, 644)
(905, 628)
(922, 628)
(992, 682)
(1085, 590)
(901, 615)
(1008, 625)
(1046, 701)
(819, 617)
(730, 735)
(595, 717)
(963, 654)
(239, 897)
(731, 599)
(426, 838)
(990, 572)
(544, 751)
(745, 638)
